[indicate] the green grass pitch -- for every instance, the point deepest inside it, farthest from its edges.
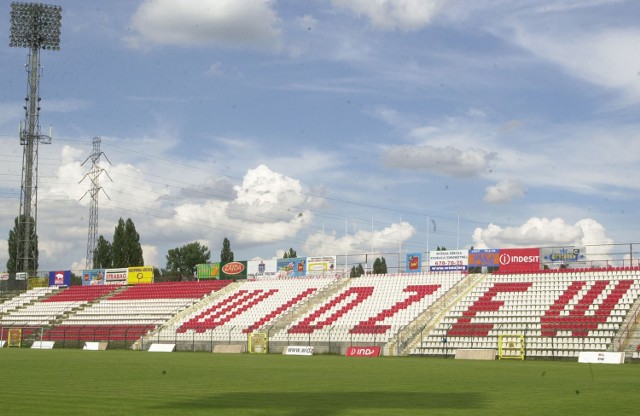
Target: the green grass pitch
(75, 382)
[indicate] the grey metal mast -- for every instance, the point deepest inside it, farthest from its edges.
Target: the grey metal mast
(94, 177)
(34, 26)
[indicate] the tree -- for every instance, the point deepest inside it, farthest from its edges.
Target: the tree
(102, 254)
(357, 271)
(182, 261)
(291, 254)
(226, 255)
(126, 250)
(15, 264)
(380, 266)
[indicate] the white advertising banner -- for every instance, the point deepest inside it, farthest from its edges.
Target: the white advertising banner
(589, 357)
(298, 350)
(448, 260)
(262, 269)
(116, 276)
(320, 265)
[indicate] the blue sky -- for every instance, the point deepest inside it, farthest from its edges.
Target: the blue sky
(334, 126)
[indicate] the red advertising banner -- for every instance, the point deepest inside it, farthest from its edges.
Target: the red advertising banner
(363, 352)
(519, 259)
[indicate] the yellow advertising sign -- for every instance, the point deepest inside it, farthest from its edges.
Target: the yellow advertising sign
(138, 275)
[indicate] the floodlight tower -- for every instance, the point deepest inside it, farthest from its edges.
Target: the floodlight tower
(34, 26)
(94, 177)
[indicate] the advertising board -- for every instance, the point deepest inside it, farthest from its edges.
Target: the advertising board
(140, 275)
(298, 350)
(233, 270)
(208, 271)
(321, 265)
(93, 277)
(262, 269)
(363, 352)
(448, 260)
(556, 256)
(414, 263)
(519, 259)
(292, 267)
(484, 260)
(60, 278)
(116, 276)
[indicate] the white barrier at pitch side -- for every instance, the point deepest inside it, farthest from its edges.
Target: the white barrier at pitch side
(162, 347)
(298, 350)
(589, 357)
(43, 345)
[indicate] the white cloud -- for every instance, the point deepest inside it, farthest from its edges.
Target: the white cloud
(267, 207)
(448, 160)
(11, 112)
(393, 14)
(69, 105)
(266, 190)
(214, 69)
(235, 23)
(504, 191)
(362, 241)
(307, 22)
(50, 250)
(151, 257)
(603, 57)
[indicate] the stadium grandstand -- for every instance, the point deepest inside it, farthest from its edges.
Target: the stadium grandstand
(542, 314)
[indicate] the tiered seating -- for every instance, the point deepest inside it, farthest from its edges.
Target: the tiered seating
(81, 294)
(559, 312)
(131, 313)
(42, 313)
(252, 305)
(370, 309)
(26, 297)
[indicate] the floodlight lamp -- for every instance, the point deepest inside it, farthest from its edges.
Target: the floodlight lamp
(35, 25)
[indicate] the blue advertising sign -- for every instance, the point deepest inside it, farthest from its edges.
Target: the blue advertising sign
(294, 267)
(93, 277)
(488, 257)
(60, 278)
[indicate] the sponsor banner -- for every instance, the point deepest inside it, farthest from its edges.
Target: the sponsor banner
(262, 269)
(4, 276)
(448, 260)
(414, 263)
(562, 255)
(233, 270)
(298, 350)
(519, 259)
(93, 277)
(21, 276)
(60, 278)
(489, 257)
(363, 352)
(594, 357)
(208, 271)
(320, 265)
(140, 275)
(294, 267)
(116, 276)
